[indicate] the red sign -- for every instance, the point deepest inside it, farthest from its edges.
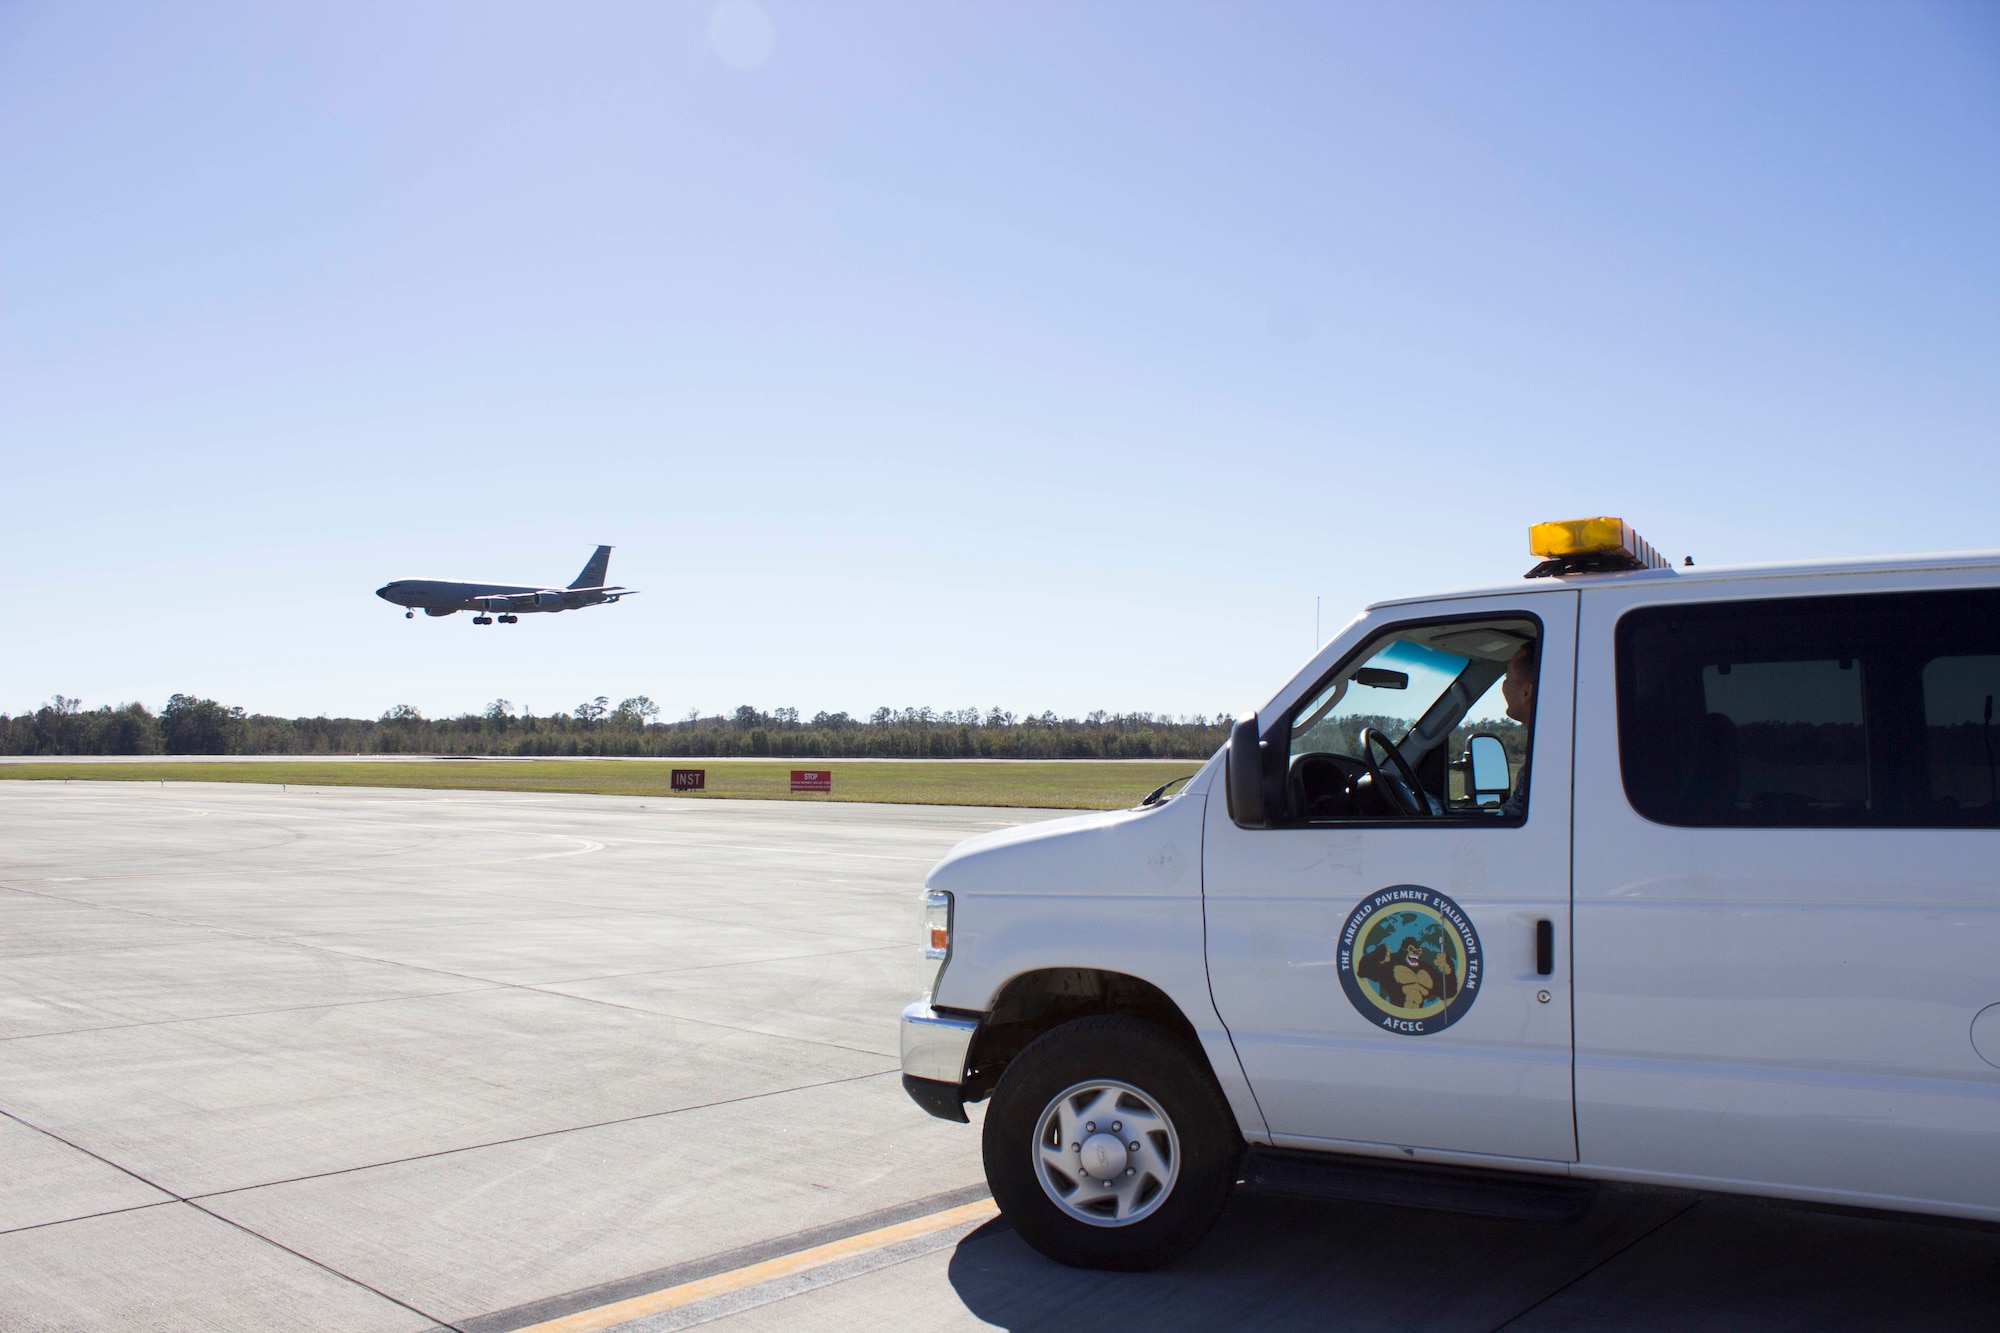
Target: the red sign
(688, 779)
(811, 779)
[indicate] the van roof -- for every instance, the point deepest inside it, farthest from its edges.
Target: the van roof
(1935, 562)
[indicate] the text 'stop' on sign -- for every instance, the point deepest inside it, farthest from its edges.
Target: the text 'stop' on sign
(812, 779)
(688, 779)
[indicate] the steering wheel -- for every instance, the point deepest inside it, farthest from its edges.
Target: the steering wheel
(1404, 792)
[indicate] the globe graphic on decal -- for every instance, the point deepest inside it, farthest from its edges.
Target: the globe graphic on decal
(1410, 962)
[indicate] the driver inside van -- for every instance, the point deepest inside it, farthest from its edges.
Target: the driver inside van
(1517, 690)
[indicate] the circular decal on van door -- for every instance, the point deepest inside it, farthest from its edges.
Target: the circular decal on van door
(1409, 960)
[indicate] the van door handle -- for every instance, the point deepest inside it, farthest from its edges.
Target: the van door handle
(1545, 948)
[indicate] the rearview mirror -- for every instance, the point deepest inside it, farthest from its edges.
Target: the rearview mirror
(1486, 766)
(1379, 679)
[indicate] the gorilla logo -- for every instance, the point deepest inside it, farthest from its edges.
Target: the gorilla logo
(1410, 960)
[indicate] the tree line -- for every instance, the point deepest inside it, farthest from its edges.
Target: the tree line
(195, 726)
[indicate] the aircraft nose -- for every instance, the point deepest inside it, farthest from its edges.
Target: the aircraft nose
(383, 592)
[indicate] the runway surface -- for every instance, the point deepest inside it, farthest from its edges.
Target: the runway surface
(368, 1060)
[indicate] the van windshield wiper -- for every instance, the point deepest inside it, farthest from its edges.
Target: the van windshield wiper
(1159, 793)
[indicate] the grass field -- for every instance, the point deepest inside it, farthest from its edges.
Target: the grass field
(1068, 784)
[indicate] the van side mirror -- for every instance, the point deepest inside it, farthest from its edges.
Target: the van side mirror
(1245, 786)
(1486, 767)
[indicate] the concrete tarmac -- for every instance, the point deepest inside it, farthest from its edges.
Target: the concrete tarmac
(368, 1060)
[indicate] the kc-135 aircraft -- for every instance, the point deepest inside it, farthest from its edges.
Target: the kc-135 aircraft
(435, 597)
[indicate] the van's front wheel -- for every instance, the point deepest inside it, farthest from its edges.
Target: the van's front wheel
(1108, 1146)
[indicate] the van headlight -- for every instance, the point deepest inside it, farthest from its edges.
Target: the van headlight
(937, 934)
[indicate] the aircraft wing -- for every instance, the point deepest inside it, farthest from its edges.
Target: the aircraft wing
(528, 598)
(500, 601)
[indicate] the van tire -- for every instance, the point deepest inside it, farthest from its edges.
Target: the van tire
(1167, 1076)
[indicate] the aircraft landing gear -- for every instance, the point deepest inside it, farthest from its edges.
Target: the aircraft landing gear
(482, 620)
(510, 620)
(409, 615)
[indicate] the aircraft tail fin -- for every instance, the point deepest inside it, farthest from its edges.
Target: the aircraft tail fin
(594, 573)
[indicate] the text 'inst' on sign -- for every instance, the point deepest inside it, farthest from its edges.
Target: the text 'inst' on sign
(688, 779)
(812, 779)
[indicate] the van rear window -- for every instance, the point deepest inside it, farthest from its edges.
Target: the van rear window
(1872, 711)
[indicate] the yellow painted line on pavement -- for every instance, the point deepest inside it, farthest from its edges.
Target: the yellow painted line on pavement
(737, 1279)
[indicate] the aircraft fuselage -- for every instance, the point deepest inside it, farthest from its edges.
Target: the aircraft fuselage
(437, 597)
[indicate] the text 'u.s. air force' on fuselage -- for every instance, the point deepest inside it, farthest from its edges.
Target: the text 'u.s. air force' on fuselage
(504, 601)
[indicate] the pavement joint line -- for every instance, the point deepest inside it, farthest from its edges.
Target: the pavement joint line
(1637, 1240)
(541, 988)
(698, 837)
(303, 943)
(591, 911)
(540, 797)
(592, 846)
(704, 1022)
(501, 1143)
(531, 985)
(127, 948)
(176, 1197)
(238, 933)
(816, 853)
(324, 1267)
(481, 983)
(712, 967)
(545, 987)
(254, 1013)
(769, 1270)
(579, 911)
(691, 838)
(85, 1217)
(589, 845)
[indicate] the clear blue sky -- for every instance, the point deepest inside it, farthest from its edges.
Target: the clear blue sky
(1031, 355)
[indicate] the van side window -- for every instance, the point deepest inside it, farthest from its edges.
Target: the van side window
(1812, 712)
(1958, 729)
(1798, 740)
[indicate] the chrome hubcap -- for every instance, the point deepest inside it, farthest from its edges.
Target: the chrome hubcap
(1103, 1157)
(1106, 1153)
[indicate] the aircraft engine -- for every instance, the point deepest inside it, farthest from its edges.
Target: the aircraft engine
(548, 599)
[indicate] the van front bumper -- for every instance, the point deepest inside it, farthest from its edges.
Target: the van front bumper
(934, 1049)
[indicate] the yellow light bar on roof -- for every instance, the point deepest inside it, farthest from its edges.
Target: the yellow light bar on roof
(1587, 545)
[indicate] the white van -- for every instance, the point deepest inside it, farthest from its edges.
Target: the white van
(1622, 872)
